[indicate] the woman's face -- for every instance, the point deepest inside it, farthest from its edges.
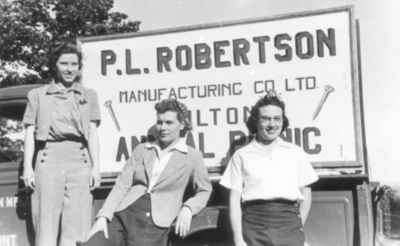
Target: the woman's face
(68, 68)
(270, 122)
(168, 127)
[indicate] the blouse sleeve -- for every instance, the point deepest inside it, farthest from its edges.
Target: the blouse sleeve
(306, 173)
(233, 175)
(31, 109)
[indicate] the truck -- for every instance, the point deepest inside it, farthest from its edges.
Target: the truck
(219, 70)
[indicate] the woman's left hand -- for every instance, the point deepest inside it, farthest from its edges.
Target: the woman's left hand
(94, 179)
(183, 222)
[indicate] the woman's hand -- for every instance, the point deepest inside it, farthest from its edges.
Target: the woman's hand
(94, 179)
(183, 222)
(93, 145)
(240, 243)
(28, 177)
(99, 225)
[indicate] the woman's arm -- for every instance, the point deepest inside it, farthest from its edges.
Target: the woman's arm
(29, 148)
(202, 189)
(235, 215)
(305, 205)
(94, 154)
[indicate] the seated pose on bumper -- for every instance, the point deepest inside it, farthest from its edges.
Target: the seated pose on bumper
(147, 196)
(268, 181)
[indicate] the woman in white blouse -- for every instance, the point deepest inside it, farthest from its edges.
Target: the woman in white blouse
(268, 181)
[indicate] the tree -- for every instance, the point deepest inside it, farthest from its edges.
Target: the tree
(30, 28)
(11, 147)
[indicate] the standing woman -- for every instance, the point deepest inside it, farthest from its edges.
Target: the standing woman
(61, 121)
(268, 181)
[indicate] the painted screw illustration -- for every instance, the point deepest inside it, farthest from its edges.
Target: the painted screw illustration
(327, 90)
(108, 105)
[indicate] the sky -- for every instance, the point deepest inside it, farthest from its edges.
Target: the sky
(379, 50)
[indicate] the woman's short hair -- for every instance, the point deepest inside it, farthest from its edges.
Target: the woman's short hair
(56, 52)
(271, 98)
(181, 110)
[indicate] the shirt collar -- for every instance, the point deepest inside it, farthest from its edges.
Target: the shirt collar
(55, 89)
(283, 143)
(180, 145)
(279, 143)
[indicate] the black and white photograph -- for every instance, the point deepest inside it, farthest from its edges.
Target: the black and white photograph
(199, 123)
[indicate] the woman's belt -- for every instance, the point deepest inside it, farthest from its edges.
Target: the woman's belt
(267, 201)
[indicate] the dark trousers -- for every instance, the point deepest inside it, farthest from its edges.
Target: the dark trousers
(267, 223)
(132, 226)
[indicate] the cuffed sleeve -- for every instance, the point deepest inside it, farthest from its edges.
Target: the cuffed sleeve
(306, 173)
(233, 175)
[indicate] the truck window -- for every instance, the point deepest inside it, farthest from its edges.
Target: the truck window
(11, 140)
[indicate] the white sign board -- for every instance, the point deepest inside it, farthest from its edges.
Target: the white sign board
(219, 71)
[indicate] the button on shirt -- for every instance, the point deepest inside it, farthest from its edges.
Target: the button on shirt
(276, 173)
(41, 104)
(162, 158)
(65, 118)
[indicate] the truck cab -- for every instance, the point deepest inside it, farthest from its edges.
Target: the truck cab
(15, 221)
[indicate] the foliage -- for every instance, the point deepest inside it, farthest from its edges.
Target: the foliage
(30, 28)
(11, 144)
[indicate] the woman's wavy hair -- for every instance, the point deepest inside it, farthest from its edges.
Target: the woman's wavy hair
(180, 109)
(271, 98)
(56, 52)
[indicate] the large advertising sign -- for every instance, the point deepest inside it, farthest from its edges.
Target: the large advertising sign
(219, 71)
